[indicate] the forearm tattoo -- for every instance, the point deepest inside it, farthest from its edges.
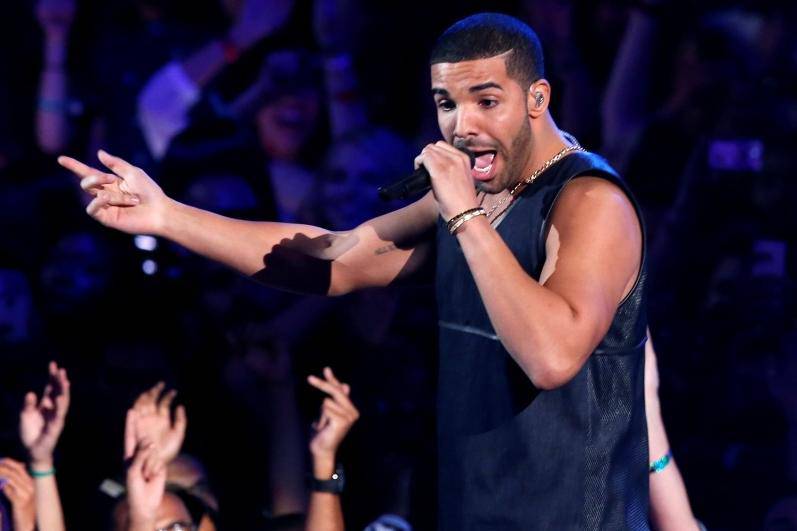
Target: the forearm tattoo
(386, 249)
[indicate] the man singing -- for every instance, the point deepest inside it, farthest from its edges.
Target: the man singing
(540, 289)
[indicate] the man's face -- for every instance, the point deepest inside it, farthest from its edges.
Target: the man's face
(348, 187)
(480, 107)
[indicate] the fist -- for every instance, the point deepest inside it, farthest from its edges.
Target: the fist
(450, 173)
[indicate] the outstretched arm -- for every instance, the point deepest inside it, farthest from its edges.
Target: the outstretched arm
(288, 256)
(41, 422)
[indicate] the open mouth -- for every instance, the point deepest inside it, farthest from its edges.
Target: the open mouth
(483, 163)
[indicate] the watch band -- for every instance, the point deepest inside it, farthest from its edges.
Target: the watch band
(333, 485)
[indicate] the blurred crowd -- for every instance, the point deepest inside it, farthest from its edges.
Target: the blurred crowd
(297, 110)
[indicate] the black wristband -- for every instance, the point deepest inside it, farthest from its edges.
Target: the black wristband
(333, 485)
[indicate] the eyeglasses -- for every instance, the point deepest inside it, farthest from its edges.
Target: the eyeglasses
(178, 526)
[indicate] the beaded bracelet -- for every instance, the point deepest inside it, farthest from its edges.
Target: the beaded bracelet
(457, 221)
(661, 463)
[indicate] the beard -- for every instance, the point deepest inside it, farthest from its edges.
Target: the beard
(515, 160)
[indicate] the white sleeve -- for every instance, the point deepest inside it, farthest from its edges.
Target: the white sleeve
(163, 106)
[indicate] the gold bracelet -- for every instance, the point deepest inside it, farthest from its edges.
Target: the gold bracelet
(456, 218)
(457, 221)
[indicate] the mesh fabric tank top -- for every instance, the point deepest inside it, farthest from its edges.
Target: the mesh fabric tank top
(513, 457)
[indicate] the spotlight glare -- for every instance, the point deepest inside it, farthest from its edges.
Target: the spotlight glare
(149, 267)
(145, 243)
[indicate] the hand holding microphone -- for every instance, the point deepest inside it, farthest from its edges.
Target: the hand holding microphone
(417, 183)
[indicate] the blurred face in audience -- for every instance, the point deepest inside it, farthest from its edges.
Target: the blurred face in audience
(285, 125)
(290, 87)
(77, 270)
(348, 187)
(171, 511)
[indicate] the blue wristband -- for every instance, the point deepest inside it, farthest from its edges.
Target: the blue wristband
(41, 473)
(661, 463)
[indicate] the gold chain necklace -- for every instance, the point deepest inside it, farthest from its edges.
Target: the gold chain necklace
(531, 178)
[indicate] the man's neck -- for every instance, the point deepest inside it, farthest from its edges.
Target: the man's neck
(548, 140)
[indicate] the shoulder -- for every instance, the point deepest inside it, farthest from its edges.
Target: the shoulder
(594, 240)
(593, 199)
(595, 219)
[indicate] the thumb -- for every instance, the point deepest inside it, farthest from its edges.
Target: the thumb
(140, 453)
(30, 401)
(130, 434)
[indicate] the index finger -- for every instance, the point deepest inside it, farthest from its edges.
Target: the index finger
(58, 378)
(448, 148)
(149, 397)
(130, 433)
(330, 376)
(63, 398)
(165, 403)
(331, 389)
(77, 167)
(461, 151)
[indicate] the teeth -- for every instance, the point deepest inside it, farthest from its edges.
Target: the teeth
(486, 169)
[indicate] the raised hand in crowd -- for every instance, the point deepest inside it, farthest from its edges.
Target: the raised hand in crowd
(17, 485)
(165, 100)
(338, 414)
(152, 439)
(330, 17)
(55, 18)
(257, 19)
(154, 422)
(146, 480)
(41, 422)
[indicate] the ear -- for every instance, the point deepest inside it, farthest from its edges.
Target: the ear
(538, 97)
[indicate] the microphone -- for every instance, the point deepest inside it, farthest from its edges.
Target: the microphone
(417, 183)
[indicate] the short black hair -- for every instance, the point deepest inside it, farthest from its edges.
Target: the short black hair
(489, 34)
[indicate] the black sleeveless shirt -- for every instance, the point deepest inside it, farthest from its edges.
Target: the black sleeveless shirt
(514, 457)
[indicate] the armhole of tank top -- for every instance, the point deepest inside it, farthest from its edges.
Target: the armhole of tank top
(601, 174)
